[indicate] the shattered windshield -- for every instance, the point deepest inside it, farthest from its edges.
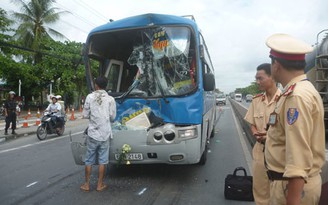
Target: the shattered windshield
(166, 63)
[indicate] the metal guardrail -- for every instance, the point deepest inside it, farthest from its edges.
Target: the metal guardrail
(241, 111)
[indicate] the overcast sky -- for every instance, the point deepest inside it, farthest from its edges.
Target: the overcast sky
(235, 30)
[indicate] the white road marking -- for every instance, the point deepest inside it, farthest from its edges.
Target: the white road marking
(41, 142)
(247, 153)
(33, 183)
(142, 191)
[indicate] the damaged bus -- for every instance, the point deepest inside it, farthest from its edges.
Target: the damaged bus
(162, 78)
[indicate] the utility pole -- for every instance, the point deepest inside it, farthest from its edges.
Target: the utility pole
(51, 87)
(19, 87)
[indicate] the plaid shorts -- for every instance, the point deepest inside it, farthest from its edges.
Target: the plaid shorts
(97, 148)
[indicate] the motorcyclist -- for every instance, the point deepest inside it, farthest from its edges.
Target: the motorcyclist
(54, 108)
(10, 112)
(62, 104)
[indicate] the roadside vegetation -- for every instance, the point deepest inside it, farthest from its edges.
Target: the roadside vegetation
(32, 52)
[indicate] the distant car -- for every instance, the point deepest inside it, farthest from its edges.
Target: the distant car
(221, 99)
(238, 97)
(249, 98)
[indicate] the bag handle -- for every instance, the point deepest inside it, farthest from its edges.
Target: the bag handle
(240, 169)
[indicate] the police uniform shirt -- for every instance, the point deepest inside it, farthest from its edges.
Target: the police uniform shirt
(260, 110)
(296, 143)
(10, 105)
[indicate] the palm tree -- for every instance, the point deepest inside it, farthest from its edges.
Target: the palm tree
(34, 19)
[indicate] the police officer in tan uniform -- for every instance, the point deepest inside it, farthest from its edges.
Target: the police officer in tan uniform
(258, 115)
(295, 147)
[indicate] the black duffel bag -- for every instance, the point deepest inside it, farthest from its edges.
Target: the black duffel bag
(238, 187)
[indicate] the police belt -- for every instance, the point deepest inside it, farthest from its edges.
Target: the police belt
(272, 175)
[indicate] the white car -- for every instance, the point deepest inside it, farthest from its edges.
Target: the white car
(221, 99)
(249, 98)
(238, 97)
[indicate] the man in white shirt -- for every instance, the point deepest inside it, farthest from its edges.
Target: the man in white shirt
(100, 109)
(54, 108)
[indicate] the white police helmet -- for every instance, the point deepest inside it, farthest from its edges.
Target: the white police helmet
(12, 93)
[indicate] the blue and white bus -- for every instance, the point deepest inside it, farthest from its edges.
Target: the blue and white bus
(162, 78)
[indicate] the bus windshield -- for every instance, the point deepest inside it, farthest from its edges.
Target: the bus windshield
(160, 61)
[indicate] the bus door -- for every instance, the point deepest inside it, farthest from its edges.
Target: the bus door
(114, 74)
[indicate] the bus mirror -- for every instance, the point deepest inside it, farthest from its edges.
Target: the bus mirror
(201, 51)
(209, 82)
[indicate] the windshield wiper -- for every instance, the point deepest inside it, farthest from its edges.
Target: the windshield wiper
(123, 96)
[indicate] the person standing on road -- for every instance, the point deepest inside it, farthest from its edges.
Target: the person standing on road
(100, 109)
(295, 147)
(258, 116)
(10, 113)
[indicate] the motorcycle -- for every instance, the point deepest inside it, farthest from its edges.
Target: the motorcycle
(48, 126)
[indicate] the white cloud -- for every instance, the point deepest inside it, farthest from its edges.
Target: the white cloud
(235, 31)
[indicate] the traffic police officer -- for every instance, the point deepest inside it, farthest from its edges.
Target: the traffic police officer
(295, 147)
(10, 112)
(258, 116)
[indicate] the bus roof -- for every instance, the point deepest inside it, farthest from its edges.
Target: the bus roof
(145, 20)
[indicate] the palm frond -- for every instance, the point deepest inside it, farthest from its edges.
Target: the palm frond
(57, 34)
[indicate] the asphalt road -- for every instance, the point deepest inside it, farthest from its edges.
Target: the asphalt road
(34, 172)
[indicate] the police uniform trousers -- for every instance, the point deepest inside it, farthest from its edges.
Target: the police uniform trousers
(310, 195)
(261, 182)
(11, 118)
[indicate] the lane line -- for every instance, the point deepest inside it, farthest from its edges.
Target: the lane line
(37, 143)
(33, 183)
(247, 153)
(142, 191)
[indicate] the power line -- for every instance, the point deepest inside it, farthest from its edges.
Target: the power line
(77, 15)
(84, 31)
(92, 10)
(5, 44)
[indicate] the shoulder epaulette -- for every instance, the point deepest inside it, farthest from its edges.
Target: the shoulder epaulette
(277, 98)
(289, 90)
(258, 95)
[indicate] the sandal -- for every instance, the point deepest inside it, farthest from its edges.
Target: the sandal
(103, 187)
(83, 188)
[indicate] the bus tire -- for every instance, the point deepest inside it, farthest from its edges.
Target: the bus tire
(213, 132)
(203, 158)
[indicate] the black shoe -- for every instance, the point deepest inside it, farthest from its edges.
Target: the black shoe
(13, 132)
(6, 132)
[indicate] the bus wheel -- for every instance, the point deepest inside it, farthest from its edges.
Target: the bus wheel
(213, 132)
(203, 159)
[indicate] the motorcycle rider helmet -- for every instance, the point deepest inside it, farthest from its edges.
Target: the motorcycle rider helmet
(54, 97)
(12, 93)
(58, 97)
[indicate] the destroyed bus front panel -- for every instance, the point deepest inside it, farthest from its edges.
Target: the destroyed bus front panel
(156, 76)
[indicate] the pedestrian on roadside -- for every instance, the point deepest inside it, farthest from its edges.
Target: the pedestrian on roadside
(100, 109)
(10, 113)
(258, 116)
(295, 147)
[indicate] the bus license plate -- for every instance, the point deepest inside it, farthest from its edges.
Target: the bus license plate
(131, 156)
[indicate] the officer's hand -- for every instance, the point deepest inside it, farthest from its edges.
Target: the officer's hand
(260, 136)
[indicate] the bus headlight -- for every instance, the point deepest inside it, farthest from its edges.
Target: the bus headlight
(190, 133)
(169, 135)
(158, 136)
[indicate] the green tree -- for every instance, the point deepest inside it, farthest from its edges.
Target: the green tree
(251, 89)
(65, 68)
(35, 18)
